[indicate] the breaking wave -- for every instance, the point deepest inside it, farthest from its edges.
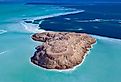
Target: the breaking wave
(3, 52)
(2, 31)
(58, 14)
(32, 28)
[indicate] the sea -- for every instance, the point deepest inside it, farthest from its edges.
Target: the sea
(100, 20)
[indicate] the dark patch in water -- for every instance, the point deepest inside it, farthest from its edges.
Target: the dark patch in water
(110, 28)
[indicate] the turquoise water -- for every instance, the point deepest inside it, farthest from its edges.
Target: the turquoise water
(102, 64)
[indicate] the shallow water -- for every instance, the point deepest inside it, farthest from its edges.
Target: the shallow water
(102, 64)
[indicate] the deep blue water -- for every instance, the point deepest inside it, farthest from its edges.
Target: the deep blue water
(98, 19)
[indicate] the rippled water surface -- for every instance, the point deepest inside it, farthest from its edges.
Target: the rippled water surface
(102, 64)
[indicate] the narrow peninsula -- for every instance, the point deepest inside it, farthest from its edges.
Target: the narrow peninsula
(61, 50)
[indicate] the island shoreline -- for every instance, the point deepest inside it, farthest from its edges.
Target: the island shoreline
(80, 45)
(66, 70)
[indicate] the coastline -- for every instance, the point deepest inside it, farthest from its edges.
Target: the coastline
(70, 69)
(34, 28)
(101, 63)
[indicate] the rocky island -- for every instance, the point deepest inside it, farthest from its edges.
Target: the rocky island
(61, 50)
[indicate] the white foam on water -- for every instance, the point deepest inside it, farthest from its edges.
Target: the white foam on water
(67, 18)
(52, 22)
(63, 8)
(32, 28)
(3, 52)
(80, 29)
(58, 14)
(75, 29)
(2, 31)
(95, 20)
(41, 21)
(100, 20)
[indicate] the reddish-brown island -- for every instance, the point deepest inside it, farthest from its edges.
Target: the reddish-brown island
(61, 50)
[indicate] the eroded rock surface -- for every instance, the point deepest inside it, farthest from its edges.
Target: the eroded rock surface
(61, 50)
